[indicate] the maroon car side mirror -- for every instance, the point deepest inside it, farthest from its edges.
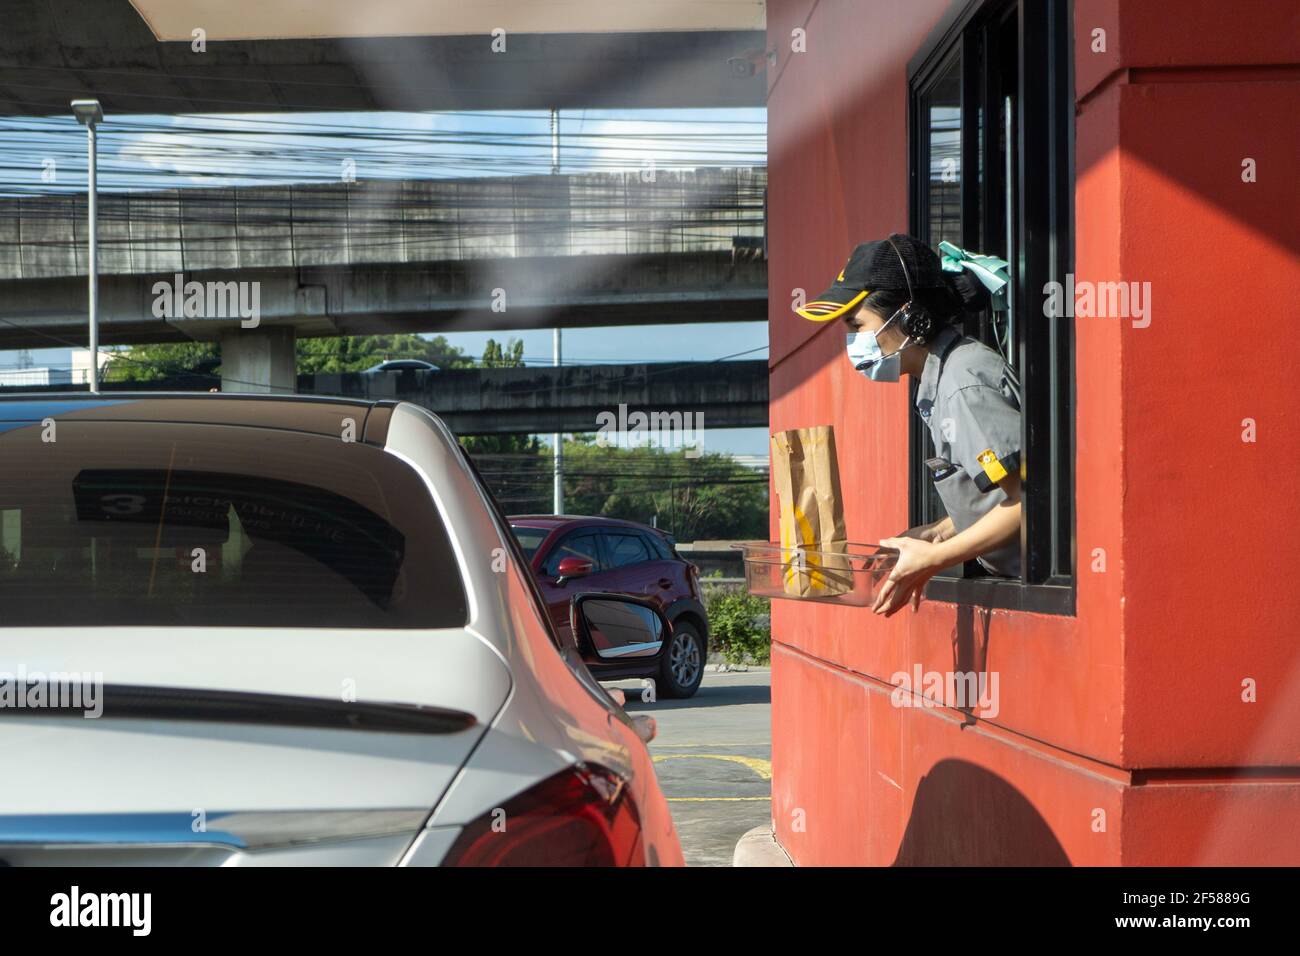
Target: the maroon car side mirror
(572, 568)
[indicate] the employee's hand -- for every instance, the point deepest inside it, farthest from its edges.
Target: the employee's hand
(918, 562)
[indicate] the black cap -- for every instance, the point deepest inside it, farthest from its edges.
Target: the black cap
(877, 265)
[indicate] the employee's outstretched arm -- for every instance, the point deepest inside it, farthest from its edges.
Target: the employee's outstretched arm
(920, 560)
(933, 532)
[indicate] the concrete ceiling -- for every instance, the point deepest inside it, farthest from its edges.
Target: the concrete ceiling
(298, 19)
(563, 53)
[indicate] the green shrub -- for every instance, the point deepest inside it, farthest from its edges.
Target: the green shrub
(740, 625)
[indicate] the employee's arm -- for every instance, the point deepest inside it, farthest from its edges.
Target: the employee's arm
(996, 529)
(920, 560)
(935, 531)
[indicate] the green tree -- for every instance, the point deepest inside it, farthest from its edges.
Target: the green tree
(340, 353)
(740, 625)
(150, 363)
(704, 497)
(356, 353)
(510, 355)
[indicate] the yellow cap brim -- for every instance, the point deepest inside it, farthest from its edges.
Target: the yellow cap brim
(823, 311)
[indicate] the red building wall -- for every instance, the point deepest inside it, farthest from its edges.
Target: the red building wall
(1122, 735)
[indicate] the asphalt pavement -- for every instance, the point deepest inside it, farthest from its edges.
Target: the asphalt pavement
(713, 755)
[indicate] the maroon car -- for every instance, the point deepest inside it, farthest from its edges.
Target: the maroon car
(574, 555)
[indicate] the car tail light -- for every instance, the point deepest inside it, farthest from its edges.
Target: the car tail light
(582, 816)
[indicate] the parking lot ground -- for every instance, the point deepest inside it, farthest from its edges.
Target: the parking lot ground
(713, 756)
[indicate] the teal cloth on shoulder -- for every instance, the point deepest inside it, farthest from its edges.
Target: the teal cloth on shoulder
(992, 272)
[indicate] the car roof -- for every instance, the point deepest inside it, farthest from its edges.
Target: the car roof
(552, 522)
(301, 413)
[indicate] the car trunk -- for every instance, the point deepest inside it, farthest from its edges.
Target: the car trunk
(234, 745)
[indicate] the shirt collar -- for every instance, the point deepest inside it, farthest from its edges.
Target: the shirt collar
(928, 390)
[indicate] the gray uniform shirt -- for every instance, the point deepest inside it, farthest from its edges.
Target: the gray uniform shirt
(970, 400)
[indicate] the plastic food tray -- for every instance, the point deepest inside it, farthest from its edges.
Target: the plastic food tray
(851, 576)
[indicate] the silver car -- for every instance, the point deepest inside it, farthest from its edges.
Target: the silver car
(401, 365)
(243, 630)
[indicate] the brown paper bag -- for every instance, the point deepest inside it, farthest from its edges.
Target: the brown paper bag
(807, 477)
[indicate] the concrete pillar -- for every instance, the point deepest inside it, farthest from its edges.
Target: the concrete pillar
(258, 360)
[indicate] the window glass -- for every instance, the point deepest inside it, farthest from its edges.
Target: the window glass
(941, 114)
(582, 545)
(659, 547)
(625, 549)
(203, 525)
(996, 96)
(530, 539)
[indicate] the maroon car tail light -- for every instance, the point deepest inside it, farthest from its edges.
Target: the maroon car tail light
(581, 816)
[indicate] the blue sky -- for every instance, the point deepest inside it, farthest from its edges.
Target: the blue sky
(152, 152)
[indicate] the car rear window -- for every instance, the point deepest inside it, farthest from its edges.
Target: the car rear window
(136, 523)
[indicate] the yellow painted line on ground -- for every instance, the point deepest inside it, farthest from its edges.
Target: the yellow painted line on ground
(757, 764)
(708, 799)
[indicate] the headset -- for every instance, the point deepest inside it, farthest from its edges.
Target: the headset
(916, 319)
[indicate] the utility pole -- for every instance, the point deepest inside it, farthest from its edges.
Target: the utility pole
(557, 439)
(88, 114)
(555, 141)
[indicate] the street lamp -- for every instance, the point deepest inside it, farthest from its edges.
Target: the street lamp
(88, 114)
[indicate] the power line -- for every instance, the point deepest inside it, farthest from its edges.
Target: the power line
(225, 148)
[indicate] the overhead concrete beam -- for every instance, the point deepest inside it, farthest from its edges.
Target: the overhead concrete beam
(49, 57)
(259, 20)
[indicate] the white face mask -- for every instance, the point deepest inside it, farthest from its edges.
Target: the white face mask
(867, 357)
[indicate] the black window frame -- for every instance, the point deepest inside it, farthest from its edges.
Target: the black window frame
(1043, 251)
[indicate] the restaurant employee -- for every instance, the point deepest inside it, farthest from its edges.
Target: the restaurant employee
(900, 304)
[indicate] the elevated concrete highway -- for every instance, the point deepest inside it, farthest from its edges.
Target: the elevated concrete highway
(487, 401)
(495, 401)
(591, 249)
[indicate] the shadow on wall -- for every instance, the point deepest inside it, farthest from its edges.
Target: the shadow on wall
(963, 815)
(970, 651)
